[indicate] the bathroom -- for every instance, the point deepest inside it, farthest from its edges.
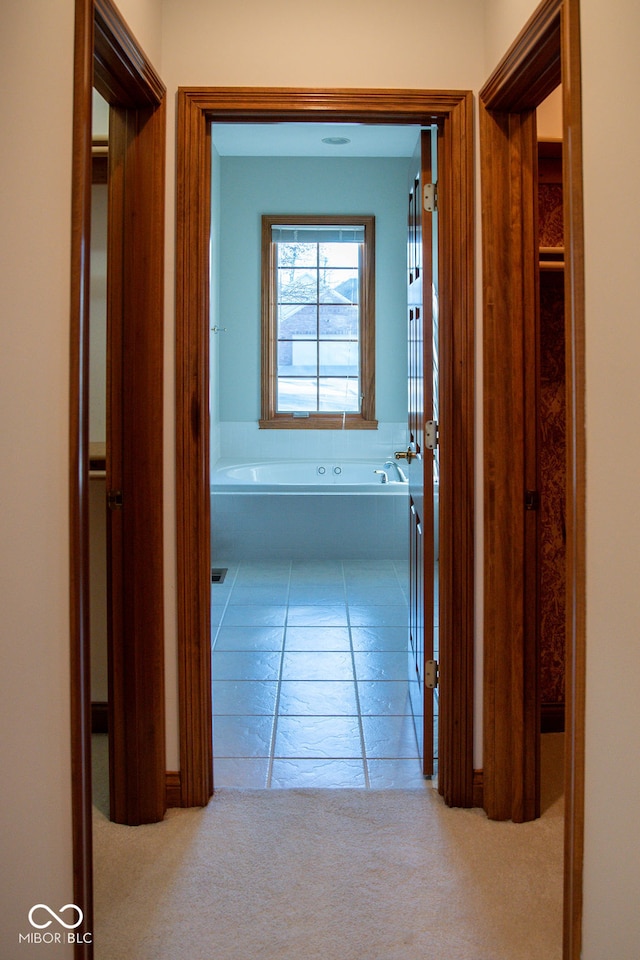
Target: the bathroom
(310, 573)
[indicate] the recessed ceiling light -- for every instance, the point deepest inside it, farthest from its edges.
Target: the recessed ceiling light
(336, 141)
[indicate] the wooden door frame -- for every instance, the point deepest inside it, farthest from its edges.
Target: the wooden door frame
(197, 107)
(107, 55)
(546, 52)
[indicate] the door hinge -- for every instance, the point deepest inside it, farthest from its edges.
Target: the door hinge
(431, 674)
(531, 500)
(114, 499)
(431, 435)
(430, 197)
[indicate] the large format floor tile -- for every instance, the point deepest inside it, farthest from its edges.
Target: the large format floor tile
(333, 773)
(322, 698)
(250, 638)
(381, 665)
(241, 773)
(309, 675)
(246, 665)
(248, 736)
(254, 614)
(322, 615)
(317, 638)
(244, 697)
(379, 638)
(396, 774)
(320, 737)
(317, 665)
(384, 698)
(389, 738)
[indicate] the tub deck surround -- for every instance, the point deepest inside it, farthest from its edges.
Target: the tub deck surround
(308, 509)
(304, 476)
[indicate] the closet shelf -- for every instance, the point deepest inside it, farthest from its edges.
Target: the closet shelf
(551, 258)
(97, 457)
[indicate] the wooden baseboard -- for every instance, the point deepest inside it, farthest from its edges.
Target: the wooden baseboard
(551, 721)
(99, 717)
(478, 788)
(174, 788)
(552, 718)
(100, 724)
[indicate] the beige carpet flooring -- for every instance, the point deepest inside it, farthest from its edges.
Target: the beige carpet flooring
(330, 875)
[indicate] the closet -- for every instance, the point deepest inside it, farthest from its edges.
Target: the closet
(551, 428)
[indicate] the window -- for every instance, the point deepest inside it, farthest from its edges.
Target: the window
(318, 323)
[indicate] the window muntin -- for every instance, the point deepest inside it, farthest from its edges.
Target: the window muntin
(318, 321)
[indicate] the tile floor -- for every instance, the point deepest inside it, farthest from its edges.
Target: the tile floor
(309, 676)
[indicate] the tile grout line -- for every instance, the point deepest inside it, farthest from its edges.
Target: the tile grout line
(276, 706)
(224, 608)
(365, 765)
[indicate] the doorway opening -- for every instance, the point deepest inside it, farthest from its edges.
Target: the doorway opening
(545, 54)
(309, 631)
(198, 109)
(108, 58)
(551, 432)
(98, 549)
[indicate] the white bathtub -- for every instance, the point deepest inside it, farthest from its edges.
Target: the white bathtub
(307, 509)
(304, 477)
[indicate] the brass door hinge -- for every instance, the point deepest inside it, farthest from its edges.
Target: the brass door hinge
(431, 674)
(430, 197)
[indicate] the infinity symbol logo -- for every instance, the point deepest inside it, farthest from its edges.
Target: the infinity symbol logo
(67, 906)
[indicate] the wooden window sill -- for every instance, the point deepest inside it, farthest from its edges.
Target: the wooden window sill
(316, 422)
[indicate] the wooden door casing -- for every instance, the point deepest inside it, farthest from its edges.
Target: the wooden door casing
(546, 52)
(106, 55)
(197, 108)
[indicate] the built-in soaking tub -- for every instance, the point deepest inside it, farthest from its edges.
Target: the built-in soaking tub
(307, 509)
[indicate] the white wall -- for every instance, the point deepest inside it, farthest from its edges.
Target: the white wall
(611, 101)
(36, 56)
(504, 19)
(363, 43)
(549, 116)
(36, 75)
(144, 19)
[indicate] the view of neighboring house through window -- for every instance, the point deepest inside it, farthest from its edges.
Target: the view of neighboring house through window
(318, 321)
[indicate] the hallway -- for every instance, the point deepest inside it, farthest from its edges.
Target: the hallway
(310, 676)
(329, 875)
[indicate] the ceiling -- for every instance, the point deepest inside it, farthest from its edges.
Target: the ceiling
(305, 140)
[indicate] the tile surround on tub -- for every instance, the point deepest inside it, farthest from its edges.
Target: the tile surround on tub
(214, 443)
(266, 526)
(243, 439)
